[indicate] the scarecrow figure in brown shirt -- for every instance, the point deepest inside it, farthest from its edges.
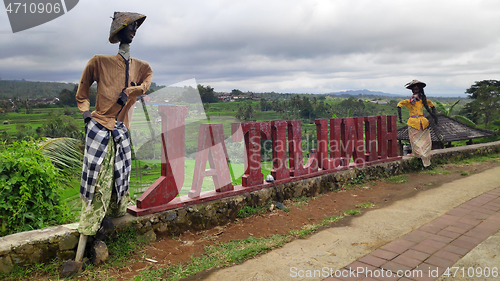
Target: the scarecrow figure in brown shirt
(107, 161)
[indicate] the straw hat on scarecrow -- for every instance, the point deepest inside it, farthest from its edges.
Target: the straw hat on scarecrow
(121, 20)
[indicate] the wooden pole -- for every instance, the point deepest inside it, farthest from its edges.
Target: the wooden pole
(81, 248)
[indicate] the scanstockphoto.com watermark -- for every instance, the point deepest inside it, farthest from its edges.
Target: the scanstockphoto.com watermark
(361, 272)
(25, 14)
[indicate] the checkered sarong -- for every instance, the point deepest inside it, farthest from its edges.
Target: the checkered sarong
(95, 151)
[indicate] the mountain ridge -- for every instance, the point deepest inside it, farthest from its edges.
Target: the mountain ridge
(363, 92)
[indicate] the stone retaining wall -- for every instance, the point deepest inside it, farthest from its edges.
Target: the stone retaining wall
(61, 241)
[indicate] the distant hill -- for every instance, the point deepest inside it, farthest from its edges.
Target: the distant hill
(32, 90)
(362, 92)
(368, 94)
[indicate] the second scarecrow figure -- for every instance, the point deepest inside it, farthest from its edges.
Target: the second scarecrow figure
(107, 161)
(418, 131)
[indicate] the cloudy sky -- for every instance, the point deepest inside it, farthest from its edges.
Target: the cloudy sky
(314, 46)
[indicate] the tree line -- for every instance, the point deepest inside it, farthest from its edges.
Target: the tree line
(307, 109)
(483, 109)
(31, 90)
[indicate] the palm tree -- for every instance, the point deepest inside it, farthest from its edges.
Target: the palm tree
(64, 154)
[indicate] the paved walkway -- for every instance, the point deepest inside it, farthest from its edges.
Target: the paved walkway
(427, 252)
(422, 235)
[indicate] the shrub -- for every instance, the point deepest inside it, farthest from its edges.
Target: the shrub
(57, 126)
(25, 132)
(29, 188)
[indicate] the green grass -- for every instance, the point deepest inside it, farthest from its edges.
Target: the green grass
(300, 201)
(397, 179)
(247, 211)
(479, 158)
(436, 171)
(365, 205)
(463, 173)
(71, 195)
(122, 245)
(33, 272)
(331, 219)
(352, 212)
(306, 230)
(219, 255)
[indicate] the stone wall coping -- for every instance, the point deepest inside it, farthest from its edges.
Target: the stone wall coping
(463, 148)
(38, 236)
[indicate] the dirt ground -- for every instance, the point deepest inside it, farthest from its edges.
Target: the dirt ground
(170, 251)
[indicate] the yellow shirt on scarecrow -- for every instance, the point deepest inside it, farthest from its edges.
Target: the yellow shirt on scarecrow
(417, 117)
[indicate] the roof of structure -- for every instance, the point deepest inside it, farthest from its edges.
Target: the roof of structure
(449, 129)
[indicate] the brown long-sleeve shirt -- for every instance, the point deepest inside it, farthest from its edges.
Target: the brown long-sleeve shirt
(109, 73)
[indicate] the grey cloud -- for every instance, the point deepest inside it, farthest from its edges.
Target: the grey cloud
(291, 45)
